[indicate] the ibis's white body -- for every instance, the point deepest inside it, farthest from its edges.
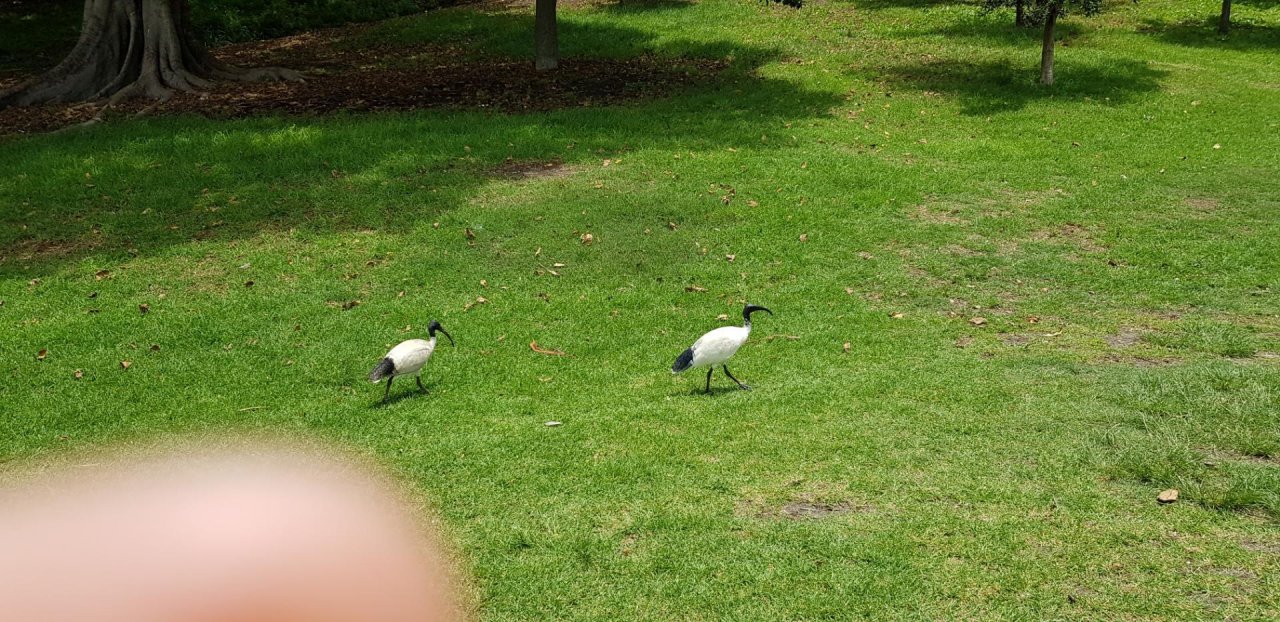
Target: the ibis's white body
(719, 345)
(408, 357)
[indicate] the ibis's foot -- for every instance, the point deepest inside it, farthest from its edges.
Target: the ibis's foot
(419, 379)
(744, 387)
(708, 389)
(387, 393)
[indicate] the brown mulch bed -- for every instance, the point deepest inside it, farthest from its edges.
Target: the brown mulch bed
(383, 77)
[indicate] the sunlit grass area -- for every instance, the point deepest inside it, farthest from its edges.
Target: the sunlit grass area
(1006, 317)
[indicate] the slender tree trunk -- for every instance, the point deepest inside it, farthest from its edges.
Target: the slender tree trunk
(1046, 52)
(546, 41)
(1020, 18)
(132, 48)
(1224, 24)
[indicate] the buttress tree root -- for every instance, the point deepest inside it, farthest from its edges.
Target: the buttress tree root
(133, 48)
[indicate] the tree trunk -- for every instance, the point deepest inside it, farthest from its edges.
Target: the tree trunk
(132, 48)
(1224, 24)
(1020, 16)
(1046, 52)
(547, 42)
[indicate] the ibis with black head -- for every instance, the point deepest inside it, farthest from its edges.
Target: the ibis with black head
(718, 346)
(408, 358)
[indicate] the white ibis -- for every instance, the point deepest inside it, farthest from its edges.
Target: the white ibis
(408, 357)
(717, 346)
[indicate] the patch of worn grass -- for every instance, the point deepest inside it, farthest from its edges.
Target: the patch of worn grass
(1010, 464)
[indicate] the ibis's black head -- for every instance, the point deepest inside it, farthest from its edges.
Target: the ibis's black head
(435, 327)
(749, 309)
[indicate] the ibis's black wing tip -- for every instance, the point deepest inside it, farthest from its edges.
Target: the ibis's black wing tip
(385, 368)
(683, 362)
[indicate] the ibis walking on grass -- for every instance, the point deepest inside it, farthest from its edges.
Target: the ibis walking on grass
(407, 358)
(717, 346)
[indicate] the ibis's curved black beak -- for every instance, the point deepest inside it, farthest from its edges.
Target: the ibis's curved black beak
(435, 327)
(749, 309)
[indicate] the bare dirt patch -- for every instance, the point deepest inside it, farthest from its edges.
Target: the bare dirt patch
(1217, 456)
(1015, 339)
(803, 510)
(1258, 546)
(1141, 361)
(1072, 233)
(937, 215)
(353, 75)
(532, 169)
(1203, 204)
(1126, 337)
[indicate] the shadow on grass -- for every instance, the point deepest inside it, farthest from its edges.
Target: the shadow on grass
(1001, 86)
(646, 6)
(1245, 34)
(135, 189)
(881, 5)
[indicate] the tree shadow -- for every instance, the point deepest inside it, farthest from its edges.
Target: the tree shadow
(122, 190)
(996, 86)
(1245, 34)
(881, 5)
(646, 6)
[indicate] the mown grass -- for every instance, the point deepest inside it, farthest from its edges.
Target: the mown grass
(1117, 234)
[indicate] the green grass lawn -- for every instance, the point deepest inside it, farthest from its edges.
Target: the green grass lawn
(880, 173)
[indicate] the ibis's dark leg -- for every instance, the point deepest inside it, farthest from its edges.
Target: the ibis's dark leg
(388, 391)
(709, 370)
(740, 385)
(419, 379)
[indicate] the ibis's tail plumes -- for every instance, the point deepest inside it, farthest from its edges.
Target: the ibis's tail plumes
(384, 369)
(685, 361)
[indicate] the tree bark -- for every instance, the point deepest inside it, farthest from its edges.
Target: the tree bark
(546, 41)
(1224, 23)
(1020, 15)
(1046, 52)
(132, 48)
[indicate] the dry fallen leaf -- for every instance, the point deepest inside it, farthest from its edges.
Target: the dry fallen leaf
(848, 347)
(671, 226)
(587, 239)
(557, 265)
(470, 235)
(435, 225)
(484, 283)
(126, 364)
(695, 288)
(1168, 496)
(897, 315)
(144, 308)
(42, 354)
(963, 342)
(1031, 319)
(848, 290)
(731, 258)
(79, 374)
(101, 274)
(347, 306)
(533, 345)
(722, 317)
(155, 347)
(481, 300)
(551, 424)
(978, 321)
(804, 237)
